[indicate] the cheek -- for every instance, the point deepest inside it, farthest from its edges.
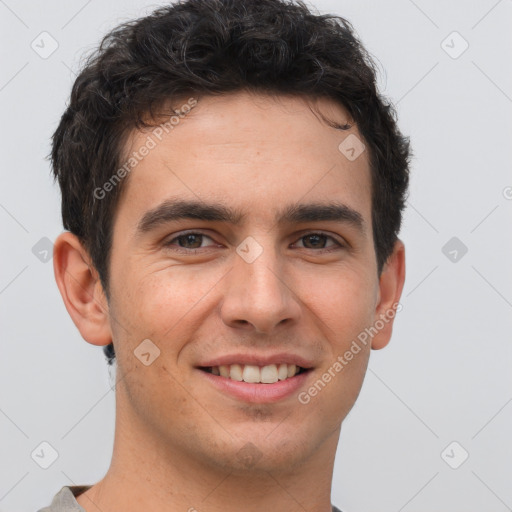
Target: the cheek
(163, 304)
(342, 304)
(343, 300)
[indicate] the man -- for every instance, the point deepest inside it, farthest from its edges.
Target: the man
(232, 188)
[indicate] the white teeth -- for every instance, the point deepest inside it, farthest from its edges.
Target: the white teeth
(235, 372)
(269, 374)
(251, 373)
(255, 374)
(282, 373)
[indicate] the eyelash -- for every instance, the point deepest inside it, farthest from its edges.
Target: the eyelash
(182, 250)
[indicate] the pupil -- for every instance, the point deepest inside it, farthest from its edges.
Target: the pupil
(190, 238)
(317, 237)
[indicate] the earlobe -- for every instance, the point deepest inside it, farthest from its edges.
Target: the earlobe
(81, 289)
(391, 283)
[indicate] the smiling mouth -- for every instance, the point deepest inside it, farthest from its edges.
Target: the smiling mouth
(256, 374)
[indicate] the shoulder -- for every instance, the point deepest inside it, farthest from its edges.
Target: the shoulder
(64, 500)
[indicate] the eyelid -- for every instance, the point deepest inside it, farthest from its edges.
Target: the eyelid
(302, 234)
(340, 244)
(175, 236)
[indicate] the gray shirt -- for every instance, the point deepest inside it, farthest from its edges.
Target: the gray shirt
(64, 500)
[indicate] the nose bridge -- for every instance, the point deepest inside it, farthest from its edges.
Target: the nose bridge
(257, 293)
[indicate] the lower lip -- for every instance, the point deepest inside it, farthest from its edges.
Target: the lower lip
(258, 393)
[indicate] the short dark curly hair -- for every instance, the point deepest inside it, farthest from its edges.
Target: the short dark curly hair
(209, 47)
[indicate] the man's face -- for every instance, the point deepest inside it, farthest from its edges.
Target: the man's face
(261, 290)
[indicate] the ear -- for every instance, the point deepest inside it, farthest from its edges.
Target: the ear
(391, 283)
(81, 289)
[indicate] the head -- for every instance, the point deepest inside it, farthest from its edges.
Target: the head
(264, 94)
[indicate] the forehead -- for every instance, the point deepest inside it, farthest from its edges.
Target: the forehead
(252, 152)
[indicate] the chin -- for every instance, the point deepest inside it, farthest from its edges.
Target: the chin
(277, 452)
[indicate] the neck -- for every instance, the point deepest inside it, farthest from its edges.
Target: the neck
(148, 473)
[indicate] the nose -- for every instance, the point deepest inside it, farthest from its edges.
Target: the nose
(258, 295)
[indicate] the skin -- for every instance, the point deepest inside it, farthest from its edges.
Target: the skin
(177, 437)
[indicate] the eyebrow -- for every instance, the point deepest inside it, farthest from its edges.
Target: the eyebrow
(179, 209)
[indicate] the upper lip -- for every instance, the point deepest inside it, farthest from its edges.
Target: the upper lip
(258, 360)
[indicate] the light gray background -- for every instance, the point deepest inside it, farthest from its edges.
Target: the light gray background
(446, 375)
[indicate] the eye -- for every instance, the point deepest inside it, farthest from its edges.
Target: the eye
(317, 241)
(187, 241)
(192, 242)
